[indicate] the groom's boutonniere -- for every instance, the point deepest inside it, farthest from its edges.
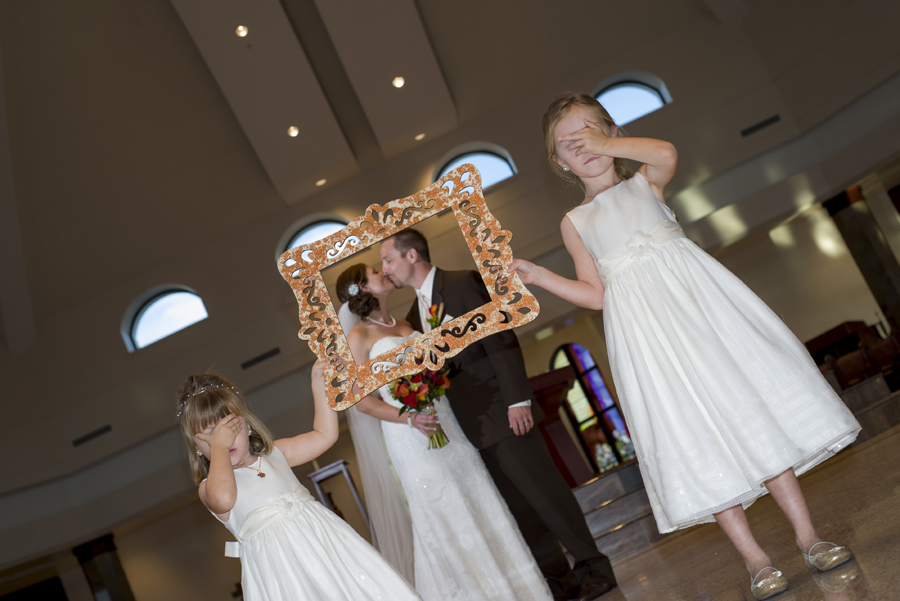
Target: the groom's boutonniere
(435, 315)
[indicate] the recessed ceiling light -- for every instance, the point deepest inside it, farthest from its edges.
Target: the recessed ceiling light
(241, 31)
(398, 82)
(420, 137)
(293, 131)
(321, 182)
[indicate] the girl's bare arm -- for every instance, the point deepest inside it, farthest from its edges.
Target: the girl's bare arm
(305, 447)
(587, 291)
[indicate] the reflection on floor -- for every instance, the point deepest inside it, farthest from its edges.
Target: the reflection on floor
(854, 499)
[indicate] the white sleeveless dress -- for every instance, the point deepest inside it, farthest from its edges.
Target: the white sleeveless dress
(719, 395)
(292, 547)
(467, 545)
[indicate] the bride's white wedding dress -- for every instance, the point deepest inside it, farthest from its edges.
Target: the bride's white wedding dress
(467, 544)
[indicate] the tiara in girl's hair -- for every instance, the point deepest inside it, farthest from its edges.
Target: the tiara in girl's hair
(196, 392)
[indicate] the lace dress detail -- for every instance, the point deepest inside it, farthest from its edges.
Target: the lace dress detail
(467, 544)
(717, 392)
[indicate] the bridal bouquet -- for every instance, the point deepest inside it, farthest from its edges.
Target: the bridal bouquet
(417, 393)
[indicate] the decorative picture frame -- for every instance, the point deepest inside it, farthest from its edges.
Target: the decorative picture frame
(511, 304)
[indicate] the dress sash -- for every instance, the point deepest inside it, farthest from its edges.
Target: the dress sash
(641, 246)
(284, 504)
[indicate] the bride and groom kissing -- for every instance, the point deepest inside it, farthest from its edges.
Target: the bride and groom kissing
(489, 510)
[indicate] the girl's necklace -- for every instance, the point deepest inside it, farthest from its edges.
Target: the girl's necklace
(381, 323)
(258, 470)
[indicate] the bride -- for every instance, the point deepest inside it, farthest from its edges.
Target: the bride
(466, 544)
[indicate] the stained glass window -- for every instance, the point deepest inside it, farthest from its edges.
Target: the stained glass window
(602, 431)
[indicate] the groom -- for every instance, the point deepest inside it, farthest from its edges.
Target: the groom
(491, 398)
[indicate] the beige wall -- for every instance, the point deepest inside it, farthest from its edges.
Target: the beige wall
(804, 272)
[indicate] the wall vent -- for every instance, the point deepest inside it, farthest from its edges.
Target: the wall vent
(260, 358)
(91, 435)
(761, 125)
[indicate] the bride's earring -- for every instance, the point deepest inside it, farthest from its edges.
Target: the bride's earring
(199, 454)
(565, 168)
(249, 432)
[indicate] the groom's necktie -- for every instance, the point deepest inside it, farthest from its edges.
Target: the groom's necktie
(424, 311)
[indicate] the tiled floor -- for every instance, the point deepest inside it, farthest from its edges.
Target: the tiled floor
(854, 499)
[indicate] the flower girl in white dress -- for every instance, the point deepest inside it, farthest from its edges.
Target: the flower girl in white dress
(724, 403)
(291, 547)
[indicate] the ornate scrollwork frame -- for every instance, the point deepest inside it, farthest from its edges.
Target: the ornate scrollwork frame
(511, 304)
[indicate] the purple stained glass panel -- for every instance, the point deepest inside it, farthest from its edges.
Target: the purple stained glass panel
(598, 385)
(583, 359)
(614, 421)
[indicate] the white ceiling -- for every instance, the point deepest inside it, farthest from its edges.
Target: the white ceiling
(147, 145)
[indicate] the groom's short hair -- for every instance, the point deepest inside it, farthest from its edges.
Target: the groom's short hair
(410, 238)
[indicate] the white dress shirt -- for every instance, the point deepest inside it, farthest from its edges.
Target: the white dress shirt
(424, 295)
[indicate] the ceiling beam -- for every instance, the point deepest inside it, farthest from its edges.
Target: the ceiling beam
(15, 300)
(376, 42)
(336, 86)
(728, 12)
(269, 84)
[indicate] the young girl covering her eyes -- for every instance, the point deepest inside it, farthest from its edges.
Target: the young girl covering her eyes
(291, 547)
(723, 402)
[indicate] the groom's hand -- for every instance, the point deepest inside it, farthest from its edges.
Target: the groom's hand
(520, 420)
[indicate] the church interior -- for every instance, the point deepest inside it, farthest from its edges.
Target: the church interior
(179, 147)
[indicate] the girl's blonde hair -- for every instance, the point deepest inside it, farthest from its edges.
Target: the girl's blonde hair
(557, 110)
(202, 402)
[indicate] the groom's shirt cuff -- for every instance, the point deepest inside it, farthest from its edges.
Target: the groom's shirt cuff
(522, 404)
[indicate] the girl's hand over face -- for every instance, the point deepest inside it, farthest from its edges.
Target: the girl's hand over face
(224, 433)
(591, 139)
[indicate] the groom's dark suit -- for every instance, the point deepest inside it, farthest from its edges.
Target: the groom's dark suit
(486, 378)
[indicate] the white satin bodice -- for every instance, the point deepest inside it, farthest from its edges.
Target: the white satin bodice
(623, 224)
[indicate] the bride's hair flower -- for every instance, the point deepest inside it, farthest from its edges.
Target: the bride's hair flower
(353, 289)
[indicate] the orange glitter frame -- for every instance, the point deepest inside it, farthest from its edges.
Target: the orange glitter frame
(511, 304)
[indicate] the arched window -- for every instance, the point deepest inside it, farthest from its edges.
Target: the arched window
(160, 313)
(495, 165)
(592, 410)
(630, 96)
(315, 231)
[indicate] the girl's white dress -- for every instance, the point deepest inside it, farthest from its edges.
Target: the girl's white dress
(719, 395)
(467, 544)
(292, 547)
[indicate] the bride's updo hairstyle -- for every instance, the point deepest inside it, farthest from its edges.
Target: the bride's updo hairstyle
(201, 402)
(557, 110)
(349, 290)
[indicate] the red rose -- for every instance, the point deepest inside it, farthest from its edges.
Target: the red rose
(416, 379)
(410, 401)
